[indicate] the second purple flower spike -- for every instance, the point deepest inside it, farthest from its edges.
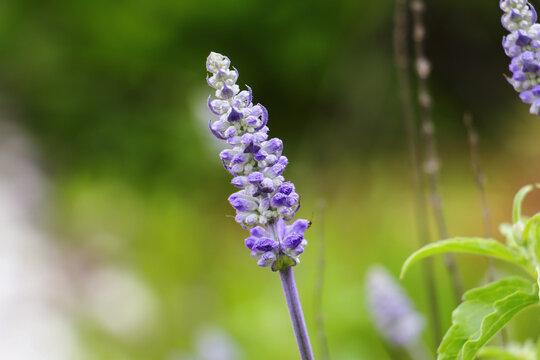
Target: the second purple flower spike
(522, 45)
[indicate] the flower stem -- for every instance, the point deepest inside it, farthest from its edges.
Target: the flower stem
(295, 311)
(431, 166)
(402, 59)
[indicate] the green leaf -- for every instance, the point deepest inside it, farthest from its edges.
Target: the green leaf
(497, 352)
(483, 312)
(283, 261)
(531, 224)
(479, 246)
(507, 230)
(518, 199)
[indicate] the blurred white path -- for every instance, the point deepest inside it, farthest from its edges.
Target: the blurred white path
(41, 285)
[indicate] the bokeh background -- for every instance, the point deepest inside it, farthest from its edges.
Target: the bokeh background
(116, 238)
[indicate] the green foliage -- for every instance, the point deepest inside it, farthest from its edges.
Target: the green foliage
(487, 309)
(518, 199)
(526, 351)
(487, 247)
(483, 313)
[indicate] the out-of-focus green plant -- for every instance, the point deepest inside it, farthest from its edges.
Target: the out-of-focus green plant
(485, 310)
(526, 351)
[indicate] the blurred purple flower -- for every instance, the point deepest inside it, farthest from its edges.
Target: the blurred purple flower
(391, 310)
(522, 45)
(256, 163)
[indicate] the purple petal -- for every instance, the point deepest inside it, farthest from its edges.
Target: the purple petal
(249, 149)
(227, 168)
(250, 98)
(281, 228)
(526, 97)
(279, 200)
(230, 132)
(293, 212)
(211, 107)
(293, 240)
(255, 178)
(241, 203)
(239, 181)
(266, 259)
(530, 67)
(274, 146)
(227, 92)
(260, 155)
(519, 76)
(226, 155)
(286, 188)
(503, 24)
(246, 139)
(208, 81)
(251, 121)
(278, 169)
(238, 159)
(250, 242)
(267, 186)
(535, 108)
(264, 245)
(292, 199)
(523, 39)
(259, 231)
(297, 251)
(299, 226)
(216, 134)
(264, 117)
(252, 219)
(234, 116)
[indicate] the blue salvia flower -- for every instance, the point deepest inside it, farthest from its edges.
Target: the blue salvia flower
(256, 163)
(522, 45)
(391, 310)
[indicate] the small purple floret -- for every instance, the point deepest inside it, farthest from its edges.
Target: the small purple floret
(293, 240)
(234, 116)
(238, 181)
(286, 188)
(250, 242)
(264, 245)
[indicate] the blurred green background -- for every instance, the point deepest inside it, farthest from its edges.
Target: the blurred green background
(112, 94)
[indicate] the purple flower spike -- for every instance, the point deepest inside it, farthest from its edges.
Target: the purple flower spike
(522, 45)
(266, 201)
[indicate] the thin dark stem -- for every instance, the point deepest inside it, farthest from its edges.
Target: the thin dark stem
(478, 175)
(431, 165)
(319, 283)
(295, 311)
(402, 57)
(472, 135)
